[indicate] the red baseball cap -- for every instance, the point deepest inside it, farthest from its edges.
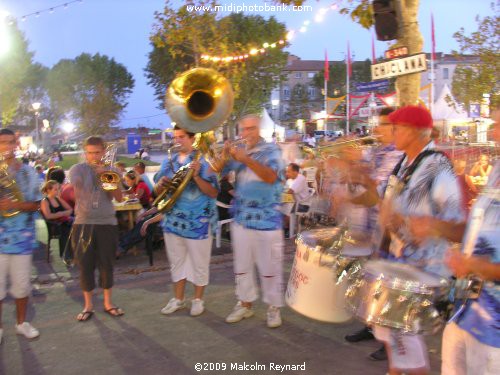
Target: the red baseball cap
(412, 115)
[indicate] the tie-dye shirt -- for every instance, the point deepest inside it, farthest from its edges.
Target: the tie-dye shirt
(482, 317)
(257, 203)
(433, 190)
(17, 233)
(194, 212)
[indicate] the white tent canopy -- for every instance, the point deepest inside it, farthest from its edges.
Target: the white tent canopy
(445, 110)
(268, 127)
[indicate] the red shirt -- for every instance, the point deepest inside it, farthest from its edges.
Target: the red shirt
(146, 196)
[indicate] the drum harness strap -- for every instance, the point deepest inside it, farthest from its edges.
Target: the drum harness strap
(386, 238)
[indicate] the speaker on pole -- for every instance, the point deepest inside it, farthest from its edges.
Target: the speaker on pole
(386, 21)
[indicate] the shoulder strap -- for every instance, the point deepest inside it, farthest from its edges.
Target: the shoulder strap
(413, 167)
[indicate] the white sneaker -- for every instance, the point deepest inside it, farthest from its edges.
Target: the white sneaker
(197, 307)
(273, 317)
(27, 330)
(239, 312)
(172, 306)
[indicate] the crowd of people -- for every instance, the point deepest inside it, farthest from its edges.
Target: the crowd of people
(402, 193)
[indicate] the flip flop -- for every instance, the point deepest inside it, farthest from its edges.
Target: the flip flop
(114, 312)
(84, 316)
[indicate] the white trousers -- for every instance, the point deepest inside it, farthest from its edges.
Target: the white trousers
(18, 269)
(463, 354)
(264, 249)
(189, 259)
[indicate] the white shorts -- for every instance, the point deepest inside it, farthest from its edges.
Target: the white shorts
(463, 354)
(189, 259)
(405, 351)
(17, 268)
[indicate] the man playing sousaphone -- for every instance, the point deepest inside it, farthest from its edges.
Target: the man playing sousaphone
(424, 213)
(187, 226)
(95, 230)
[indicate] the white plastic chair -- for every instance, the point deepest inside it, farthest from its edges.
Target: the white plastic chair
(306, 202)
(220, 223)
(310, 174)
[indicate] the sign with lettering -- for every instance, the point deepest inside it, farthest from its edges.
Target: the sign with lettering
(372, 86)
(396, 52)
(398, 67)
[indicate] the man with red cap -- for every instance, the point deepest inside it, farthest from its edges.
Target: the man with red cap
(421, 215)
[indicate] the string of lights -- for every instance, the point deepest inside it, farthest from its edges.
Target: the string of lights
(237, 57)
(47, 10)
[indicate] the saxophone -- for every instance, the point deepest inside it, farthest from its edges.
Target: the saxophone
(8, 187)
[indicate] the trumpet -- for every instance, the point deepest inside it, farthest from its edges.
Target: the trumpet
(335, 149)
(217, 154)
(109, 179)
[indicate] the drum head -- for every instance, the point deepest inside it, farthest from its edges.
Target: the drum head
(402, 276)
(322, 237)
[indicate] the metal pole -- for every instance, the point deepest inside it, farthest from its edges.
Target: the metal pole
(37, 139)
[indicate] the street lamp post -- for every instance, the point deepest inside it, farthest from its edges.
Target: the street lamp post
(36, 107)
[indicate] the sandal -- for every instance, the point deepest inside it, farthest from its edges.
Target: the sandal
(84, 316)
(114, 312)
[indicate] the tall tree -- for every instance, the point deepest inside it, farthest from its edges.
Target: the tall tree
(181, 37)
(91, 90)
(361, 11)
(472, 81)
(16, 71)
(299, 104)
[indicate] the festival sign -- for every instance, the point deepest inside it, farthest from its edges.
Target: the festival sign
(398, 67)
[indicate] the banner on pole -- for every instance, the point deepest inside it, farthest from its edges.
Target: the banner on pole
(372, 86)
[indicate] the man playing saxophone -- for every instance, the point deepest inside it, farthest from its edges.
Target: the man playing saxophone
(95, 230)
(18, 201)
(187, 227)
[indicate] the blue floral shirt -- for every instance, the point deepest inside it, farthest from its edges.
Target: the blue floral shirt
(194, 212)
(17, 233)
(433, 190)
(257, 204)
(482, 317)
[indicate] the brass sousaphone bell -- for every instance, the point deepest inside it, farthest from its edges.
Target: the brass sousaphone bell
(198, 100)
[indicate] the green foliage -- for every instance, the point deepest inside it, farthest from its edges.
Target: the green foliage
(299, 103)
(91, 90)
(337, 83)
(180, 38)
(471, 82)
(16, 70)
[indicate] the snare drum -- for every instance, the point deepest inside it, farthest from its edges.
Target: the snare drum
(396, 295)
(313, 289)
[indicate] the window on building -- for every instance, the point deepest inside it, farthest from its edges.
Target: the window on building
(445, 73)
(311, 74)
(311, 92)
(286, 92)
(298, 74)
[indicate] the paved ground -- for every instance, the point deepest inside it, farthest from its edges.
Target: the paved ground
(146, 342)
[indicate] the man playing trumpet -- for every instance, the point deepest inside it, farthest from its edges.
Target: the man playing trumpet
(95, 229)
(257, 230)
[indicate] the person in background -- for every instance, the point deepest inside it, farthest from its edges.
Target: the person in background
(121, 167)
(145, 155)
(67, 192)
(17, 234)
(57, 212)
(140, 170)
(40, 173)
(482, 168)
(137, 189)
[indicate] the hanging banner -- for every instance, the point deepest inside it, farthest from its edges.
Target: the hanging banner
(398, 67)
